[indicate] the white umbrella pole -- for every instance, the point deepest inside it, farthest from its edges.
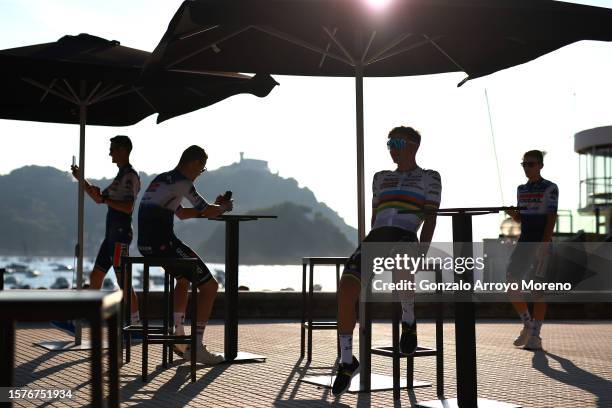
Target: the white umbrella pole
(365, 328)
(360, 160)
(81, 210)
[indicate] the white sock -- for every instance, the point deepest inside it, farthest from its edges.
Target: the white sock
(346, 348)
(179, 322)
(135, 317)
(200, 326)
(408, 311)
(536, 327)
(526, 319)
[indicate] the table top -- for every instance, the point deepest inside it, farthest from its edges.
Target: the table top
(30, 304)
(463, 210)
(240, 217)
(324, 260)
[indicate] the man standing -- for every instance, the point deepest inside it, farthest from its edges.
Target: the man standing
(119, 197)
(161, 201)
(540, 199)
(408, 187)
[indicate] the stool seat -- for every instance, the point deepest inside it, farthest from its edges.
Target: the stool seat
(157, 261)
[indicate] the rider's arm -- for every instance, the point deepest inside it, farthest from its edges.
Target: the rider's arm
(551, 220)
(213, 210)
(433, 194)
(552, 200)
(200, 207)
(375, 200)
(210, 211)
(127, 192)
(185, 213)
(429, 225)
(123, 206)
(515, 214)
(88, 188)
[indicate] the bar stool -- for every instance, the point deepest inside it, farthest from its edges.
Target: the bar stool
(155, 334)
(307, 323)
(393, 350)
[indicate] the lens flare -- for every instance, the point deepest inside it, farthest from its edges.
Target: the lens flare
(378, 4)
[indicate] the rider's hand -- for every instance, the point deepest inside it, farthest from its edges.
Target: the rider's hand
(96, 195)
(75, 171)
(227, 205)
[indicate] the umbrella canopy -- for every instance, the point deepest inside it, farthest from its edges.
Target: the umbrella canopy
(306, 37)
(47, 82)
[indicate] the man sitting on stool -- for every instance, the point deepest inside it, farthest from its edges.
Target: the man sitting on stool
(161, 201)
(409, 187)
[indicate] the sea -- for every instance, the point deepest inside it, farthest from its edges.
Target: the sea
(254, 277)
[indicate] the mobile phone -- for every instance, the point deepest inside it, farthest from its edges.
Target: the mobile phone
(73, 161)
(227, 195)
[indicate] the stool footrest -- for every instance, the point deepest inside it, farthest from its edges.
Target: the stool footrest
(321, 325)
(158, 340)
(139, 329)
(387, 351)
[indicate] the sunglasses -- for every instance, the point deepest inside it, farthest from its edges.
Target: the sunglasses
(397, 144)
(529, 164)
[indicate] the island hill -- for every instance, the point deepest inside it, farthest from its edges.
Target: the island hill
(38, 216)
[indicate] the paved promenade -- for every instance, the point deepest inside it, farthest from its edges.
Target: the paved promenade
(575, 370)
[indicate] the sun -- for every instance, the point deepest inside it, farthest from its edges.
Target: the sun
(378, 4)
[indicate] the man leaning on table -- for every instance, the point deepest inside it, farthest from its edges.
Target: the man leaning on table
(160, 203)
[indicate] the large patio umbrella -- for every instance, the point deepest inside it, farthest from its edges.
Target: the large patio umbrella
(88, 80)
(357, 38)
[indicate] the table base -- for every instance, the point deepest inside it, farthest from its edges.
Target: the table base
(67, 345)
(243, 356)
(452, 403)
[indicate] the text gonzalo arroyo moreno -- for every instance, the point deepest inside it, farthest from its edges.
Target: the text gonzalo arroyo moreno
(404, 263)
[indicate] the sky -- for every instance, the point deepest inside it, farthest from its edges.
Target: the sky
(305, 128)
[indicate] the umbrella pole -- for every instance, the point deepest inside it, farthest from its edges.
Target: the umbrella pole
(81, 210)
(77, 344)
(360, 149)
(365, 324)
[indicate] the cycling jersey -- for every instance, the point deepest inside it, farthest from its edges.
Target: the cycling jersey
(393, 191)
(540, 199)
(125, 187)
(160, 202)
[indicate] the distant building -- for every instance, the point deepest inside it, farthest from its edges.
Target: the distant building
(595, 149)
(253, 164)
